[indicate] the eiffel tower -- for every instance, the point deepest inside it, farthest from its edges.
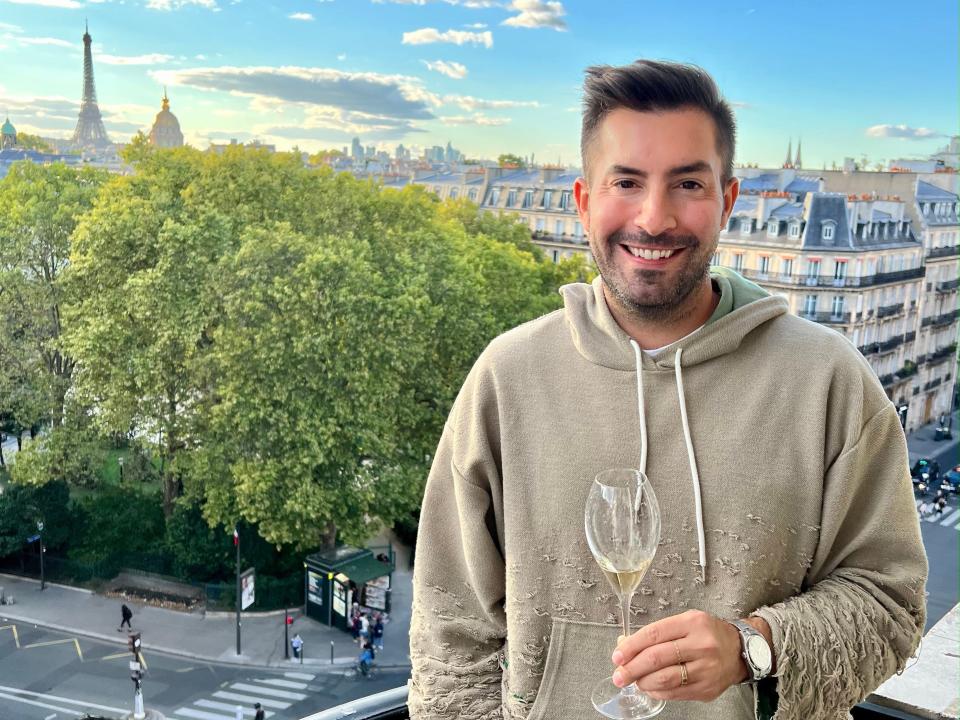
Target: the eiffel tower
(90, 131)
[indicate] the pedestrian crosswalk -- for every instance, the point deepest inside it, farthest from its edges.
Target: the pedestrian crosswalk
(948, 518)
(272, 693)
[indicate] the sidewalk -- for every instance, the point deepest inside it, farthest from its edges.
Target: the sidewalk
(211, 637)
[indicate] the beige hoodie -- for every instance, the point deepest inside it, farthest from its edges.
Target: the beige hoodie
(787, 480)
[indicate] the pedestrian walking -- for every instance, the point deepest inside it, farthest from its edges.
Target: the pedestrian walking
(260, 715)
(939, 506)
(364, 628)
(296, 644)
(378, 631)
(924, 509)
(366, 658)
(127, 615)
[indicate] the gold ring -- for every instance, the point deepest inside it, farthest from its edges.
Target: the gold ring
(684, 678)
(677, 648)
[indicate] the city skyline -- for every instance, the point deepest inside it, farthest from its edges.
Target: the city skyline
(490, 77)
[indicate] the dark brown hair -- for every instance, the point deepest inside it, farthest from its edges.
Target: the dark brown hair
(655, 86)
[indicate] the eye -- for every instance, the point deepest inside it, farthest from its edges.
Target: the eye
(625, 184)
(691, 185)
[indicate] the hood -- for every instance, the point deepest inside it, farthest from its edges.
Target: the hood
(743, 307)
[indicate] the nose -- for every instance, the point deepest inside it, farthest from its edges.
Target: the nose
(656, 213)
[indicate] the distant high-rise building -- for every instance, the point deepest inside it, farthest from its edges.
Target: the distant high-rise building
(356, 150)
(89, 131)
(165, 132)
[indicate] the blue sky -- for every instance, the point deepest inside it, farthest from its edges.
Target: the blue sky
(851, 78)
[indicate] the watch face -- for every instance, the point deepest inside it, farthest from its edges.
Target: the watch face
(759, 653)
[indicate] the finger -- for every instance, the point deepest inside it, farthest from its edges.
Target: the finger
(661, 631)
(665, 684)
(647, 662)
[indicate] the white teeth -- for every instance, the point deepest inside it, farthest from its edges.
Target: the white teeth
(650, 254)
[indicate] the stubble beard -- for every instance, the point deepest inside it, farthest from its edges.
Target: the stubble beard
(667, 303)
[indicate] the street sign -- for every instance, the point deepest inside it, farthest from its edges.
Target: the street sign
(33, 538)
(247, 589)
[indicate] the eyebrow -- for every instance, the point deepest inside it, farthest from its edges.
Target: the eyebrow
(694, 167)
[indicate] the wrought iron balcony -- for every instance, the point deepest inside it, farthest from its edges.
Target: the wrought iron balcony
(932, 384)
(869, 348)
(910, 336)
(829, 281)
(889, 310)
(944, 319)
(942, 353)
(944, 251)
(827, 318)
(888, 380)
(891, 343)
(948, 286)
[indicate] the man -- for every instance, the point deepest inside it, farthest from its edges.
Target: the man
(260, 714)
(779, 464)
(126, 615)
(296, 643)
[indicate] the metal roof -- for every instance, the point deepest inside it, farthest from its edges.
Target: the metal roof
(767, 181)
(931, 193)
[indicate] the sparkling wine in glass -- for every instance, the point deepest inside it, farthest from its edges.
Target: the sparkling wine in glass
(622, 521)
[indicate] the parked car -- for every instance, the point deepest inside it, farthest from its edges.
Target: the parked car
(950, 482)
(925, 474)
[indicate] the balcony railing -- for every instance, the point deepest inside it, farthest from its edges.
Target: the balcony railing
(888, 310)
(827, 318)
(869, 348)
(891, 343)
(944, 251)
(939, 320)
(829, 281)
(948, 286)
(888, 380)
(910, 336)
(942, 353)
(932, 384)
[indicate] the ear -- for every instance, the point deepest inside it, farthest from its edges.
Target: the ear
(581, 194)
(730, 194)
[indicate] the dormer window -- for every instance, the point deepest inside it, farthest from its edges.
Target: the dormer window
(794, 231)
(773, 227)
(828, 229)
(746, 225)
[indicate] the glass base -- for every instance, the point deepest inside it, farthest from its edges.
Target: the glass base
(623, 703)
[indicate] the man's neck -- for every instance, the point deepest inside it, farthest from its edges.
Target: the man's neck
(651, 334)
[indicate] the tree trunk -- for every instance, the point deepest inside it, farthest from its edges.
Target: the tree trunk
(3, 464)
(329, 538)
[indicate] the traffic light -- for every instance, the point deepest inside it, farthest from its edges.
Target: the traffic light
(133, 643)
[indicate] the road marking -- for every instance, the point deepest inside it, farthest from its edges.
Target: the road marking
(117, 655)
(38, 704)
(232, 708)
(299, 676)
(951, 517)
(57, 698)
(75, 642)
(13, 629)
(51, 716)
(251, 700)
(284, 694)
(282, 683)
(183, 670)
(143, 662)
(204, 715)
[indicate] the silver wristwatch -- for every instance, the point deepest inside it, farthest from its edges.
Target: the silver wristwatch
(755, 651)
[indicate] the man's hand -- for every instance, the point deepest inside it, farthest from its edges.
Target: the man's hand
(709, 648)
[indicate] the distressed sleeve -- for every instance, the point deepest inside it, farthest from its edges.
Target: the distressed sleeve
(863, 610)
(458, 623)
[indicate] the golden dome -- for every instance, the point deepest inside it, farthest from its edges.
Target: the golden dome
(166, 128)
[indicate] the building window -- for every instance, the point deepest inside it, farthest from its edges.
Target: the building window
(764, 264)
(810, 305)
(558, 227)
(745, 225)
(472, 194)
(840, 270)
(773, 227)
(837, 309)
(511, 198)
(547, 199)
(540, 224)
(494, 196)
(813, 269)
(795, 231)
(738, 262)
(454, 192)
(828, 230)
(578, 229)
(528, 199)
(787, 267)
(565, 200)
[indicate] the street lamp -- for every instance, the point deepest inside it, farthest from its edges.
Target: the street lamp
(120, 463)
(40, 533)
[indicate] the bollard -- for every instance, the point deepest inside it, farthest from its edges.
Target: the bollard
(331, 652)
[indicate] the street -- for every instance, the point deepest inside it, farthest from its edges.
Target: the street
(46, 675)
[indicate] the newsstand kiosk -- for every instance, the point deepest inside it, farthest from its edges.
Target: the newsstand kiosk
(337, 578)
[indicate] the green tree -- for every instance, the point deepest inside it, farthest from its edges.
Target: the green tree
(115, 521)
(509, 159)
(34, 142)
(22, 506)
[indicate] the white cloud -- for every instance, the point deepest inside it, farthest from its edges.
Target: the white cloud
(56, 42)
(476, 119)
(149, 59)
(476, 26)
(341, 57)
(902, 131)
(537, 14)
(471, 104)
(451, 69)
(69, 4)
(177, 4)
(300, 16)
(200, 56)
(380, 95)
(10, 28)
(425, 36)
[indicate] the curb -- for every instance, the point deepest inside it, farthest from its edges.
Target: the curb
(315, 664)
(20, 578)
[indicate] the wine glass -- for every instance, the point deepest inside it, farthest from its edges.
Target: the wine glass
(622, 522)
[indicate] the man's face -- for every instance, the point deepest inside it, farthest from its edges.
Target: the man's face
(653, 206)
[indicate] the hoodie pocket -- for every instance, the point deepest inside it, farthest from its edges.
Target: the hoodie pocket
(579, 657)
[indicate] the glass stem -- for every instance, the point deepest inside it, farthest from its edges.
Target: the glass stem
(625, 599)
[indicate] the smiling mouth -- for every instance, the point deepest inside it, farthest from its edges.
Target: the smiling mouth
(650, 254)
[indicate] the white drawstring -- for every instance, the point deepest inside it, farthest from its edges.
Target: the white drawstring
(691, 458)
(701, 540)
